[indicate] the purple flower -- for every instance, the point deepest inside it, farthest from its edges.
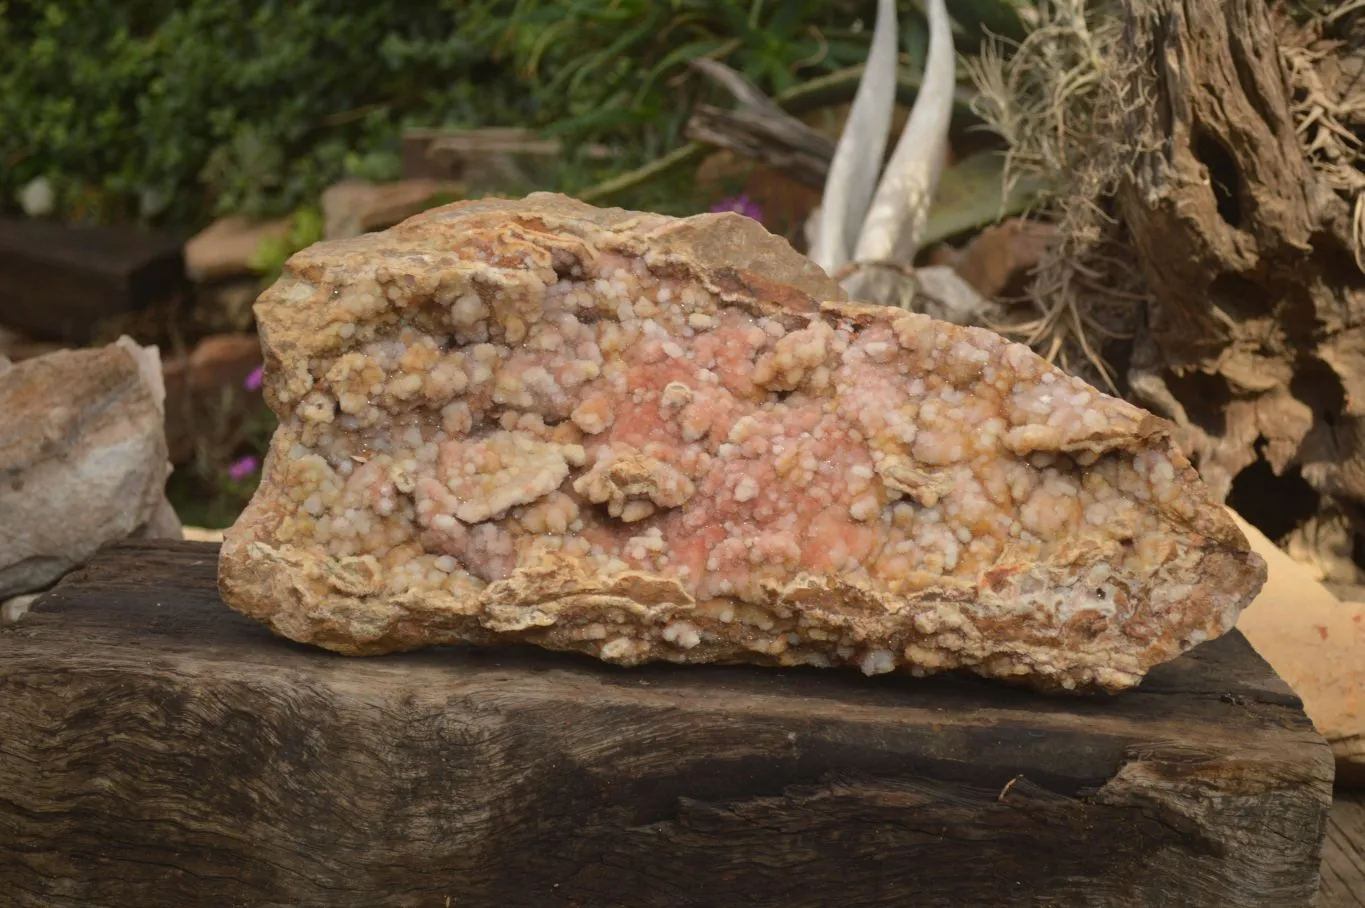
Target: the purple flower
(254, 379)
(740, 204)
(243, 467)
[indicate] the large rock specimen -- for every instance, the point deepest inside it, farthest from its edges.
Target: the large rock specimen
(646, 438)
(82, 459)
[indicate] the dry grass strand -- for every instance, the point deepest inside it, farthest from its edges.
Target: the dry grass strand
(1335, 150)
(1063, 100)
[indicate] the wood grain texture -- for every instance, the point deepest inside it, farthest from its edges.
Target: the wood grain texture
(1343, 855)
(157, 749)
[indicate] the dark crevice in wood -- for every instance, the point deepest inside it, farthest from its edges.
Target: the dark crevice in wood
(1224, 180)
(1240, 296)
(1318, 385)
(1275, 505)
(1204, 396)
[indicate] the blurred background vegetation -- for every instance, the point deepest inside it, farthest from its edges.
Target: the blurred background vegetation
(173, 112)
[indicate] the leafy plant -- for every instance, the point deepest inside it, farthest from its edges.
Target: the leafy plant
(249, 107)
(599, 69)
(305, 229)
(175, 111)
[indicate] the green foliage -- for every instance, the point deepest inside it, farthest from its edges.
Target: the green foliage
(305, 229)
(175, 111)
(600, 70)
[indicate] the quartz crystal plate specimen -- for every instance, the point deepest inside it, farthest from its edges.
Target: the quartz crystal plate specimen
(646, 438)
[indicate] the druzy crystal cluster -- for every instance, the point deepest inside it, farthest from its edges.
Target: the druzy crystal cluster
(646, 438)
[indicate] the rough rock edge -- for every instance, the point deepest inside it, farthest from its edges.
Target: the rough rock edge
(156, 518)
(328, 602)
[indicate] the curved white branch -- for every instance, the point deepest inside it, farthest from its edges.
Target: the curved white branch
(900, 208)
(862, 144)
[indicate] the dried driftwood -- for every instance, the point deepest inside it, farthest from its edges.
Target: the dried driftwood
(1255, 339)
(758, 128)
(800, 153)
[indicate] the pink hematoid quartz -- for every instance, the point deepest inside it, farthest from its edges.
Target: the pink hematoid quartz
(648, 438)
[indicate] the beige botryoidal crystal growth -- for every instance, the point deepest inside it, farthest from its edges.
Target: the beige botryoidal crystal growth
(646, 438)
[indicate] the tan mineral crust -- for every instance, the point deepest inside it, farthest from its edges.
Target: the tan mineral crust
(648, 438)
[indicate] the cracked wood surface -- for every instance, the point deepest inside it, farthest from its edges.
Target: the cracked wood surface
(158, 749)
(1255, 340)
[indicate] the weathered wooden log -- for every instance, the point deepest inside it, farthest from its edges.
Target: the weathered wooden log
(58, 283)
(759, 128)
(158, 749)
(1343, 856)
(800, 153)
(1253, 343)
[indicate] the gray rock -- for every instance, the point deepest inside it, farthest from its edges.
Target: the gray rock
(82, 459)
